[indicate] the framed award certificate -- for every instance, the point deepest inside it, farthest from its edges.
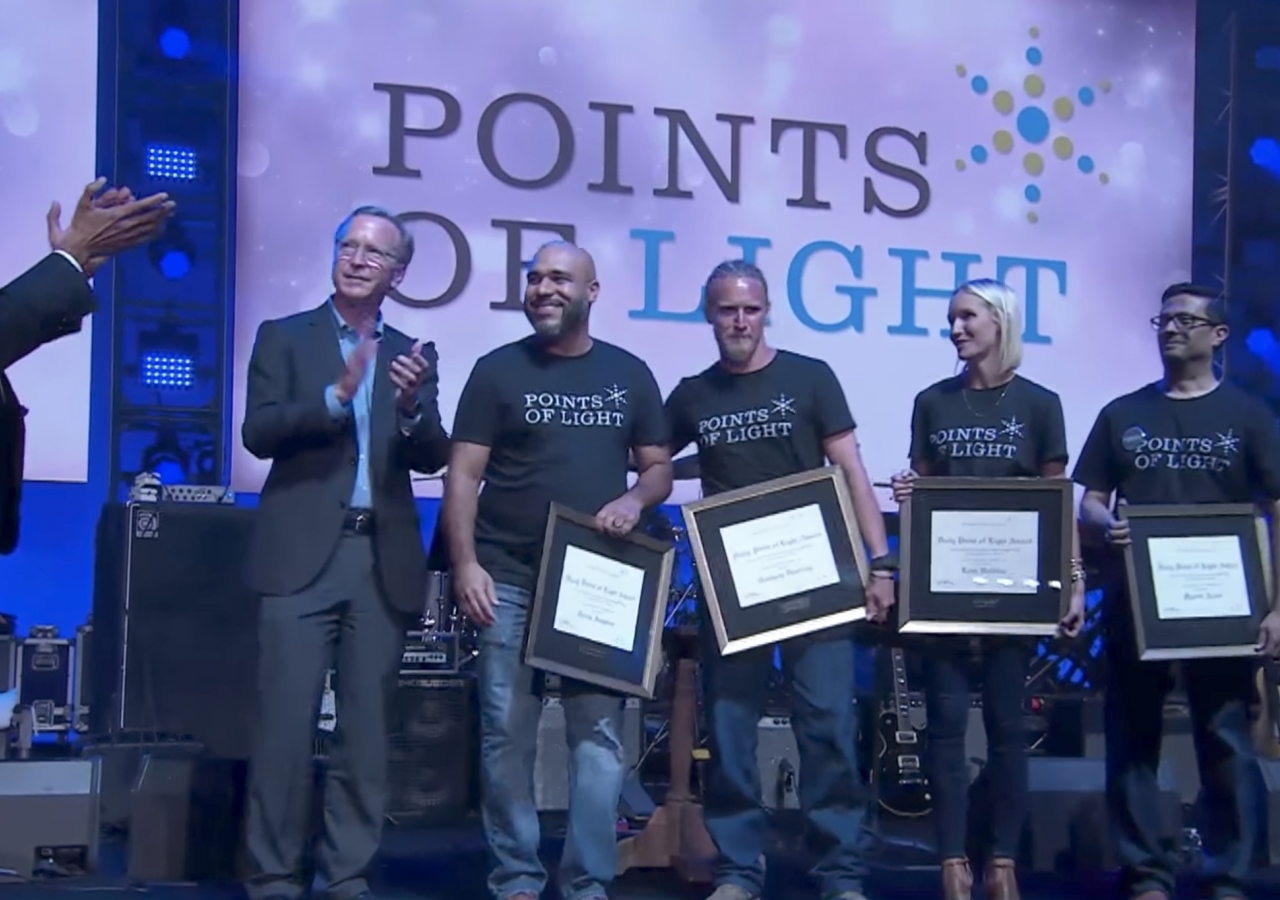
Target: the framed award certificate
(598, 606)
(985, 556)
(779, 559)
(1199, 579)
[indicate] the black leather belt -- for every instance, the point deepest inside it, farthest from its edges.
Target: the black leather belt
(358, 521)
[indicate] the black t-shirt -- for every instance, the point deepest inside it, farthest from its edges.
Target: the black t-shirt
(760, 425)
(1010, 431)
(558, 430)
(1147, 447)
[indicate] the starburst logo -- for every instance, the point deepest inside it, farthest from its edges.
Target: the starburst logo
(1033, 126)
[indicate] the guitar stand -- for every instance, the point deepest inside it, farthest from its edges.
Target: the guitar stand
(675, 836)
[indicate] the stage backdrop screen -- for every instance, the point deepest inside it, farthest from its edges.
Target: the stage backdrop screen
(867, 156)
(48, 147)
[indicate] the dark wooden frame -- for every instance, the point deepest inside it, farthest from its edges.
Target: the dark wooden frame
(979, 613)
(1196, 638)
(584, 660)
(837, 604)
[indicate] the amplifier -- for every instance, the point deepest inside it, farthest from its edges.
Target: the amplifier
(430, 652)
(778, 760)
(175, 629)
(49, 816)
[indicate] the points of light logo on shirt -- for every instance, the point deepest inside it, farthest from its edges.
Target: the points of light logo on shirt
(755, 424)
(981, 441)
(606, 408)
(1197, 453)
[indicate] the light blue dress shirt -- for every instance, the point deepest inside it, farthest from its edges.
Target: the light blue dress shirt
(360, 405)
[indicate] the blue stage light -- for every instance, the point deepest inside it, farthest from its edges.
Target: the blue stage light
(168, 371)
(175, 43)
(175, 264)
(171, 163)
(1265, 154)
(1262, 344)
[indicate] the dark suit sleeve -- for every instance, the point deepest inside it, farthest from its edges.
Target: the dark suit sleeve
(426, 442)
(46, 302)
(274, 421)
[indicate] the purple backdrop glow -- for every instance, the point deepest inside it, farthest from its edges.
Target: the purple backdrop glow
(1048, 142)
(48, 128)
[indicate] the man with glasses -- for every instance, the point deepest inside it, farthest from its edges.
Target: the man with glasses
(1188, 438)
(344, 406)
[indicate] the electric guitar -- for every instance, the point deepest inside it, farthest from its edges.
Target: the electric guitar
(901, 785)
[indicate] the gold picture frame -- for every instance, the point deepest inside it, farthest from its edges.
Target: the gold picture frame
(837, 595)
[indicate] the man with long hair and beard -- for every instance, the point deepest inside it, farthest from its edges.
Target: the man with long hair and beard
(551, 418)
(790, 416)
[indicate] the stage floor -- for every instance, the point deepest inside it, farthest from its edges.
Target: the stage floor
(449, 864)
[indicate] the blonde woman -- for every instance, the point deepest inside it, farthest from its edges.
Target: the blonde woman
(989, 422)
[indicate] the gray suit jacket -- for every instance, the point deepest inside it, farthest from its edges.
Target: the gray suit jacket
(313, 458)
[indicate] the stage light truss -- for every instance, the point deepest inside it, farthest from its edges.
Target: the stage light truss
(172, 80)
(181, 447)
(1251, 203)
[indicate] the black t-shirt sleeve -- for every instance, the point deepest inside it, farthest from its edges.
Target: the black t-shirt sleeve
(679, 422)
(1051, 441)
(649, 420)
(1095, 469)
(830, 405)
(476, 421)
(1263, 449)
(920, 447)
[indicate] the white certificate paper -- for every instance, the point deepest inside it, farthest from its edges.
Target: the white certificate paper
(780, 555)
(980, 552)
(1198, 577)
(599, 599)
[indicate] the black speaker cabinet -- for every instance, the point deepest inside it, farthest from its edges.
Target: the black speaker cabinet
(433, 751)
(175, 628)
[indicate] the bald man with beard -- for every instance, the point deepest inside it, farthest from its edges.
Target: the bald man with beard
(551, 418)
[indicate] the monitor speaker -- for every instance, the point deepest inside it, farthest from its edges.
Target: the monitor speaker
(174, 627)
(49, 816)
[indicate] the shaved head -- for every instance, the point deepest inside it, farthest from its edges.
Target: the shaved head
(559, 290)
(570, 254)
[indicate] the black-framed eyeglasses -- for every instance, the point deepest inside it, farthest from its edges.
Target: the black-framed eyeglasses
(1182, 321)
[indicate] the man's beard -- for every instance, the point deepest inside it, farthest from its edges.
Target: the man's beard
(571, 318)
(737, 351)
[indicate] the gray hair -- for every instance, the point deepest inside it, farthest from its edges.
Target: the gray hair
(404, 255)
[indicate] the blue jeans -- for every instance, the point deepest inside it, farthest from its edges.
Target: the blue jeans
(1218, 693)
(510, 707)
(832, 794)
(948, 698)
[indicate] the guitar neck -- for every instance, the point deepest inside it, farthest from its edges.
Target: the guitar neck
(901, 696)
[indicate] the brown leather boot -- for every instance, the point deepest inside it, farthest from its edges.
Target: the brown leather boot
(1000, 881)
(957, 880)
